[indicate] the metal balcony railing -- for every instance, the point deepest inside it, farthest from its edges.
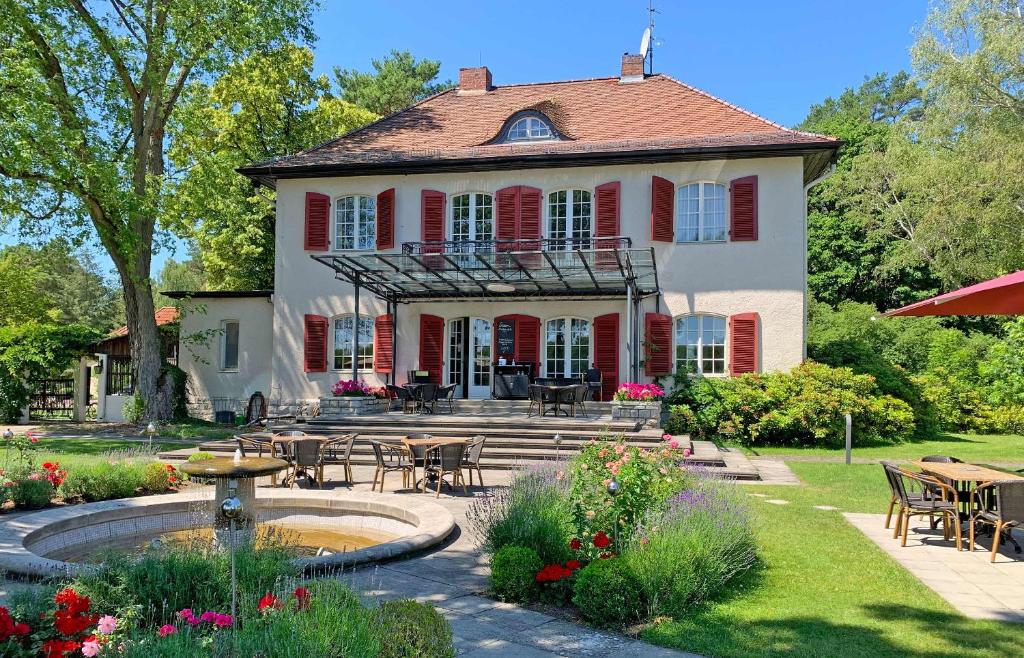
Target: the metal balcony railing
(514, 246)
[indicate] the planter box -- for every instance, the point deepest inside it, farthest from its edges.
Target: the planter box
(635, 410)
(338, 407)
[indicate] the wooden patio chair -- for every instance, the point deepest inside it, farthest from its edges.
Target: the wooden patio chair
(447, 458)
(307, 460)
(1007, 513)
(471, 458)
(947, 508)
(389, 459)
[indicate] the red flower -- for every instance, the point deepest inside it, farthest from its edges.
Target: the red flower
(170, 468)
(268, 600)
(601, 540)
(8, 627)
(50, 466)
(573, 564)
(301, 595)
(575, 544)
(552, 573)
(59, 648)
(22, 629)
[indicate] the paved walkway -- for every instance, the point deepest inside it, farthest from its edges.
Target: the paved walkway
(968, 581)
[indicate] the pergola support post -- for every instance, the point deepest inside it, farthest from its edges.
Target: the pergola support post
(355, 331)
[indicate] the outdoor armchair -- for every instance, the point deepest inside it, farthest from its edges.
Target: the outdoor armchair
(1004, 516)
(339, 450)
(389, 459)
(307, 460)
(538, 400)
(946, 508)
(447, 458)
(402, 395)
(471, 458)
(426, 397)
(447, 394)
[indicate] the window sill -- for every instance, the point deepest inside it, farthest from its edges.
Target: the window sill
(701, 242)
(229, 371)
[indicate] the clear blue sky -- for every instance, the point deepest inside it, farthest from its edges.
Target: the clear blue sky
(772, 58)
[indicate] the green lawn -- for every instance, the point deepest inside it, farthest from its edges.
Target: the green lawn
(825, 590)
(92, 446)
(968, 447)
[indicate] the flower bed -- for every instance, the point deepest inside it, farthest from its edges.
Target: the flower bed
(33, 480)
(175, 603)
(623, 533)
(638, 401)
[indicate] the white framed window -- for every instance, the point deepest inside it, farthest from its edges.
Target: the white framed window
(472, 217)
(700, 213)
(570, 219)
(700, 344)
(355, 222)
(566, 347)
(528, 128)
(229, 345)
(343, 327)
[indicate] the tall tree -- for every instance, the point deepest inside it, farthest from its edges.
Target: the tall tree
(847, 258)
(397, 81)
(88, 91)
(179, 275)
(267, 105)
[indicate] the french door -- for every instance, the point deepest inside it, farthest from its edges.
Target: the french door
(470, 357)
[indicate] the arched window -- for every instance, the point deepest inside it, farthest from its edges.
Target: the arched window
(528, 128)
(701, 213)
(343, 342)
(570, 219)
(700, 344)
(355, 222)
(566, 347)
(472, 217)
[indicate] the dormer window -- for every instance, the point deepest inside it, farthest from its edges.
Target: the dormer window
(527, 126)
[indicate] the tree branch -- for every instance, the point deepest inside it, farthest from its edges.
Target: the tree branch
(107, 46)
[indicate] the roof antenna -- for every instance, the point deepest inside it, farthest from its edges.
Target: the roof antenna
(647, 40)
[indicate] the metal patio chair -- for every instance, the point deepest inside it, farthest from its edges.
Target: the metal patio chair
(447, 458)
(390, 459)
(402, 395)
(447, 394)
(946, 508)
(1004, 516)
(471, 458)
(307, 460)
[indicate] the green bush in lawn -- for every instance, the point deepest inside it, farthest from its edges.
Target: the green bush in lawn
(608, 593)
(200, 456)
(534, 510)
(690, 549)
(407, 629)
(513, 573)
(156, 477)
(805, 406)
(32, 494)
(102, 480)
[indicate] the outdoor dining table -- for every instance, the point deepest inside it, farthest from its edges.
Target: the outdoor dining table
(966, 475)
(555, 393)
(430, 444)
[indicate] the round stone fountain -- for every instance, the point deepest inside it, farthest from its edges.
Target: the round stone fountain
(234, 477)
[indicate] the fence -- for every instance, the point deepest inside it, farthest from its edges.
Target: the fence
(52, 398)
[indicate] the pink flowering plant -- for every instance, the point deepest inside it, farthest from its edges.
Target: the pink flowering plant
(645, 478)
(351, 388)
(634, 392)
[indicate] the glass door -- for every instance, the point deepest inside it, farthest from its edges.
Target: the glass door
(480, 365)
(456, 355)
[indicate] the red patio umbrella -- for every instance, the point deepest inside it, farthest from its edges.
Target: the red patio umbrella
(1003, 295)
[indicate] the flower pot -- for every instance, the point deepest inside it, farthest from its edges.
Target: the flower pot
(341, 406)
(636, 410)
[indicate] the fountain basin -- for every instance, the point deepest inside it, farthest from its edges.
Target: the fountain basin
(405, 523)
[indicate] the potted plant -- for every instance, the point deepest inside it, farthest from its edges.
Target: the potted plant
(351, 397)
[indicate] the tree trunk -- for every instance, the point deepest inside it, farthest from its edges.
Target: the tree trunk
(144, 339)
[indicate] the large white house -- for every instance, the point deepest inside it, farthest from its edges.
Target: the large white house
(633, 224)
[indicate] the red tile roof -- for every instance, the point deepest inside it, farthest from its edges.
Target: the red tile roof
(595, 116)
(163, 315)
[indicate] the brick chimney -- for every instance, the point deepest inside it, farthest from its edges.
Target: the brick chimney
(475, 80)
(632, 68)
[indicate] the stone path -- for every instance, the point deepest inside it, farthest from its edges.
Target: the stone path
(970, 583)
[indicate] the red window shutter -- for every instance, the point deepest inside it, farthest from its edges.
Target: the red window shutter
(607, 211)
(386, 219)
(383, 345)
(315, 343)
(744, 350)
(528, 340)
(606, 352)
(662, 203)
(743, 209)
(432, 218)
(432, 346)
(658, 347)
(529, 216)
(318, 222)
(508, 215)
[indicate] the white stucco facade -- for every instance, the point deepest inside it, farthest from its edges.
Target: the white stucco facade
(765, 276)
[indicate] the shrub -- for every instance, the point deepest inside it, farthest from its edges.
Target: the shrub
(805, 406)
(645, 477)
(688, 550)
(134, 409)
(200, 456)
(408, 629)
(607, 593)
(534, 510)
(159, 477)
(32, 493)
(102, 481)
(513, 573)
